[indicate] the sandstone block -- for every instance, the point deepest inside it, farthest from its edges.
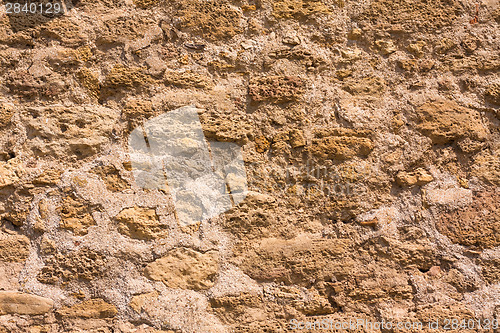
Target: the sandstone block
(212, 19)
(141, 223)
(8, 175)
(125, 29)
(261, 144)
(417, 48)
(296, 260)
(121, 77)
(92, 308)
(417, 177)
(48, 177)
(487, 167)
(411, 16)
(83, 264)
(477, 225)
(6, 113)
(185, 268)
(111, 177)
(65, 30)
(187, 80)
(90, 82)
(145, 4)
(76, 215)
(69, 132)
(277, 89)
(493, 93)
(137, 302)
(297, 138)
(298, 9)
(341, 143)
(366, 86)
(14, 248)
(444, 121)
(13, 302)
(386, 47)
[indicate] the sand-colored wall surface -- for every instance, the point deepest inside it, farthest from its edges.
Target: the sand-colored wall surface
(370, 137)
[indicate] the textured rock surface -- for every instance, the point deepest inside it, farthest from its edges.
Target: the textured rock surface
(185, 268)
(12, 302)
(445, 121)
(92, 308)
(464, 225)
(75, 215)
(83, 264)
(141, 223)
(370, 136)
(14, 248)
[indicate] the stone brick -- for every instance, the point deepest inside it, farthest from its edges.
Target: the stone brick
(141, 223)
(92, 308)
(298, 9)
(70, 133)
(76, 215)
(341, 143)
(477, 226)
(445, 121)
(14, 248)
(83, 264)
(417, 177)
(212, 20)
(13, 302)
(276, 89)
(111, 177)
(185, 268)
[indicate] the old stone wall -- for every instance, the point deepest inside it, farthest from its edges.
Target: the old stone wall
(370, 135)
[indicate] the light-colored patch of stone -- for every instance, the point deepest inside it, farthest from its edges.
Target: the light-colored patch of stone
(92, 308)
(13, 302)
(185, 268)
(14, 248)
(141, 223)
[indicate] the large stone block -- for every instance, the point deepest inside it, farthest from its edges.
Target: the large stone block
(185, 268)
(13, 302)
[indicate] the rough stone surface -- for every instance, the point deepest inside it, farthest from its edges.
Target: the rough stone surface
(69, 133)
(301, 9)
(417, 177)
(341, 143)
(9, 173)
(13, 302)
(185, 268)
(210, 19)
(111, 177)
(463, 225)
(410, 16)
(14, 248)
(92, 308)
(446, 121)
(140, 223)
(6, 113)
(75, 215)
(276, 89)
(83, 264)
(274, 259)
(370, 137)
(493, 94)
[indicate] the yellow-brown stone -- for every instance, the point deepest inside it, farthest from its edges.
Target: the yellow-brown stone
(92, 308)
(185, 268)
(14, 248)
(13, 302)
(141, 223)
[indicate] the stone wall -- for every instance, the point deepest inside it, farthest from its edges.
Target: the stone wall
(370, 134)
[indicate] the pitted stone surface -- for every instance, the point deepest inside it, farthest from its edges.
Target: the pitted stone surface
(368, 136)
